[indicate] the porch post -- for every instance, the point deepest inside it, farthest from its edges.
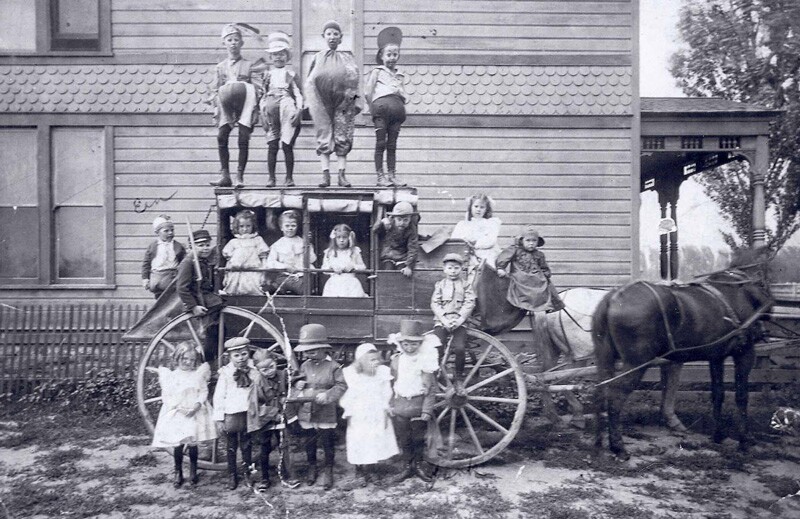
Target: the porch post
(757, 175)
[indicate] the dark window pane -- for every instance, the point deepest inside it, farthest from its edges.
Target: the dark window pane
(80, 242)
(19, 242)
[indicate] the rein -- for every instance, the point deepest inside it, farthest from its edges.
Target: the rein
(728, 336)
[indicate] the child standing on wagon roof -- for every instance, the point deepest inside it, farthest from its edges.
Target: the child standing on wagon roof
(334, 101)
(236, 102)
(281, 107)
(386, 98)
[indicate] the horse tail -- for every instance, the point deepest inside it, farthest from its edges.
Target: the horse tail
(605, 355)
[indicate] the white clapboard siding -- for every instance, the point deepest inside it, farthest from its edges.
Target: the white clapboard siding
(573, 184)
(192, 26)
(480, 27)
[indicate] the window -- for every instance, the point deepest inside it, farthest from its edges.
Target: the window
(55, 26)
(56, 206)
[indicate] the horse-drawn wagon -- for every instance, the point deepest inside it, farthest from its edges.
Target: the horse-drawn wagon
(474, 420)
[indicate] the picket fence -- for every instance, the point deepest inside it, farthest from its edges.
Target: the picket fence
(57, 342)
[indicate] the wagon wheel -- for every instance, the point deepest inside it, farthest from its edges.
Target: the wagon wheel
(233, 321)
(476, 419)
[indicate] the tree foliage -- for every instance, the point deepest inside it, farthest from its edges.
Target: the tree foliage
(748, 51)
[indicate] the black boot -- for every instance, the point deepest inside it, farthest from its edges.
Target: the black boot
(224, 179)
(326, 178)
(233, 476)
(311, 476)
(343, 182)
(289, 182)
(193, 479)
(327, 477)
(419, 470)
(407, 472)
(239, 178)
(393, 180)
(271, 182)
(177, 455)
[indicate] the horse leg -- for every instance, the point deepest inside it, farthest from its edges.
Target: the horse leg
(670, 378)
(618, 393)
(743, 364)
(717, 369)
(543, 345)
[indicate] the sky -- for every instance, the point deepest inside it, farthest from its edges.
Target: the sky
(658, 41)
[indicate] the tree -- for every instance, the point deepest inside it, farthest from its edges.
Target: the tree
(748, 51)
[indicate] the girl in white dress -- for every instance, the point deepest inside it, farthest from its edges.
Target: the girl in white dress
(480, 230)
(370, 433)
(185, 416)
(344, 258)
(246, 250)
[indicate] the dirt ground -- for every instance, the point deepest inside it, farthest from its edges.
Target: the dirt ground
(57, 463)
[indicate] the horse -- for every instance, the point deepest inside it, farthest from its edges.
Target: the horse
(566, 331)
(710, 319)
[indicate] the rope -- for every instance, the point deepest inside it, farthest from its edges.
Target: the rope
(208, 214)
(736, 331)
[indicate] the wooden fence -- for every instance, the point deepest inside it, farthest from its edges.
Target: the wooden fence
(55, 342)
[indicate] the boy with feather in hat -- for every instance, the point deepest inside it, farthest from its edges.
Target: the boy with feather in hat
(321, 380)
(162, 257)
(399, 240)
(236, 102)
(386, 99)
(526, 266)
(281, 107)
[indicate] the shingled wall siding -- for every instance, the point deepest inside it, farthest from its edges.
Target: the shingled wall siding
(191, 25)
(491, 27)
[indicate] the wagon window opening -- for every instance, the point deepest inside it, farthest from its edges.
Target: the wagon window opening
(322, 224)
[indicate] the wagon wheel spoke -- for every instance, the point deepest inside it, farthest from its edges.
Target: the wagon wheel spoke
(471, 431)
(496, 399)
(491, 379)
(152, 400)
(477, 364)
(168, 345)
(451, 437)
(195, 336)
(486, 418)
(215, 450)
(441, 415)
(443, 369)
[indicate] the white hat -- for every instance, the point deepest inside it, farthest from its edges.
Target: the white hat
(160, 221)
(278, 41)
(363, 349)
(230, 28)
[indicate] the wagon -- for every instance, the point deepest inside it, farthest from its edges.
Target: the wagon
(474, 423)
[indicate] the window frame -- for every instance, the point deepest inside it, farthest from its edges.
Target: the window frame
(46, 15)
(48, 278)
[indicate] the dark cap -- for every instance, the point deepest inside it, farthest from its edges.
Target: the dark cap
(201, 236)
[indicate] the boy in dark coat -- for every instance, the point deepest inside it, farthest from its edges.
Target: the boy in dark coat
(399, 241)
(195, 287)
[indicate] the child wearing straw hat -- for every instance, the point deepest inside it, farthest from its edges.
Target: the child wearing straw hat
(386, 99)
(413, 370)
(526, 266)
(281, 106)
(399, 241)
(324, 383)
(162, 257)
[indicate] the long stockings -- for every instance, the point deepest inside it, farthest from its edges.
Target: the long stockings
(288, 154)
(244, 146)
(328, 439)
(236, 441)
